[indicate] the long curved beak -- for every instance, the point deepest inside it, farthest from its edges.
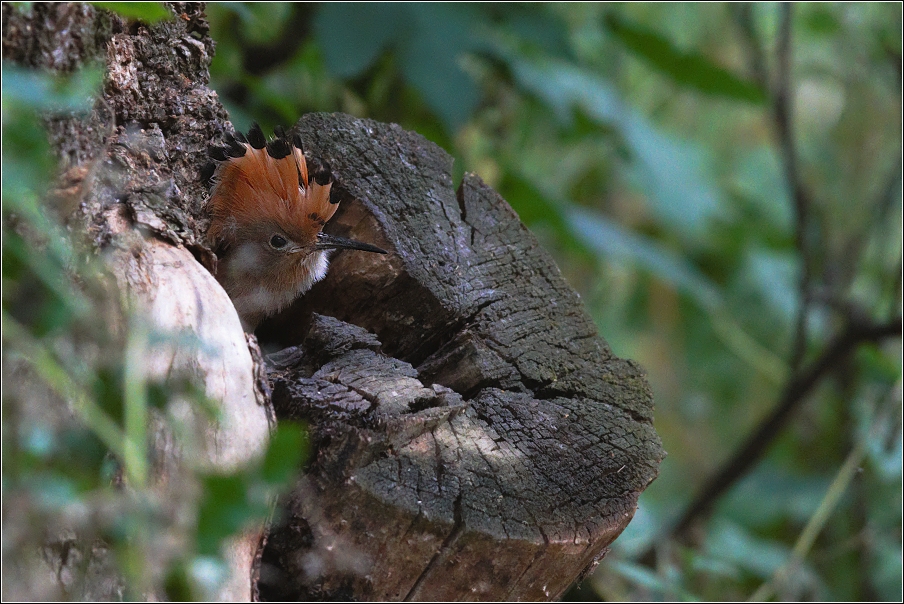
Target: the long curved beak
(331, 242)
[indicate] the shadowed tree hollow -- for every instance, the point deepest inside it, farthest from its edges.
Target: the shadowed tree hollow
(473, 437)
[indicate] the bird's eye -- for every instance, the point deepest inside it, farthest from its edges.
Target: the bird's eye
(278, 242)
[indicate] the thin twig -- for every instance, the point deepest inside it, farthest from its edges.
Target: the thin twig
(742, 13)
(881, 416)
(783, 104)
(815, 525)
(783, 118)
(793, 395)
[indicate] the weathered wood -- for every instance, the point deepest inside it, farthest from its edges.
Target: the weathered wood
(474, 438)
(492, 446)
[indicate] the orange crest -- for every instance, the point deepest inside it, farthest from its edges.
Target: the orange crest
(259, 182)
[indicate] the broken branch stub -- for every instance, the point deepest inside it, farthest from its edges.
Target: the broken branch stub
(474, 437)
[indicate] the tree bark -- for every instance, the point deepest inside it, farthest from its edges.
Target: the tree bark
(473, 437)
(130, 170)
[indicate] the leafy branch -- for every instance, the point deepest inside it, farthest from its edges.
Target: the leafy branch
(857, 330)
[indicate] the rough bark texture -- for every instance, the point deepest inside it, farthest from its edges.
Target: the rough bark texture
(130, 171)
(474, 438)
(486, 444)
(143, 145)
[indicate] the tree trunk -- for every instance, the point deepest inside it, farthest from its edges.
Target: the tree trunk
(131, 171)
(473, 437)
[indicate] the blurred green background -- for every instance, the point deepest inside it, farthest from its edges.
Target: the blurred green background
(720, 183)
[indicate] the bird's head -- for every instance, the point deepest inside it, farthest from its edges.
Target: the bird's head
(268, 206)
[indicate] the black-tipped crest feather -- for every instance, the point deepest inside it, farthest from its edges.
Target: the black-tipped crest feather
(254, 194)
(323, 175)
(256, 137)
(217, 153)
(234, 148)
(278, 148)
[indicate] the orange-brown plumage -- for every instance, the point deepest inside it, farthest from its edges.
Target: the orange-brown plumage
(267, 211)
(256, 187)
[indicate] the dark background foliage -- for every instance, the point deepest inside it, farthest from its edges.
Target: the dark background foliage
(720, 183)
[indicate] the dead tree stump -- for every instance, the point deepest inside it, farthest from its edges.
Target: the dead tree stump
(474, 438)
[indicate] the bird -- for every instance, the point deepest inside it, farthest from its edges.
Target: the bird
(268, 205)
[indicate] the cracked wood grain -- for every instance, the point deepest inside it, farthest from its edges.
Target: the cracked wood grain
(474, 438)
(503, 446)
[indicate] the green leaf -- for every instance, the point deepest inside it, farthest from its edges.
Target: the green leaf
(773, 276)
(286, 452)
(669, 170)
(820, 20)
(732, 543)
(885, 565)
(879, 366)
(41, 91)
(757, 177)
(353, 36)
(688, 69)
(177, 584)
(262, 22)
(429, 41)
(224, 510)
(614, 242)
(430, 61)
(536, 26)
(643, 530)
(34, 290)
(641, 576)
(793, 497)
(664, 585)
(53, 491)
(149, 12)
(673, 175)
(231, 501)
